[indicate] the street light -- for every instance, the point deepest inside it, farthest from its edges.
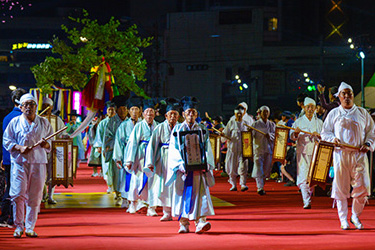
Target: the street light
(362, 56)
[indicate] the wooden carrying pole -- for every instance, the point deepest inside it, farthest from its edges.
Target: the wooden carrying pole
(332, 143)
(49, 137)
(220, 133)
(41, 113)
(250, 127)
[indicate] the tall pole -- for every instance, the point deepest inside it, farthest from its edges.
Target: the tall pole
(362, 76)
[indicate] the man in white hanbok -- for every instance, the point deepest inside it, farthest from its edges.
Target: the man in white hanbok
(263, 148)
(191, 194)
(157, 161)
(121, 140)
(99, 143)
(134, 159)
(28, 171)
(234, 163)
(305, 146)
(352, 125)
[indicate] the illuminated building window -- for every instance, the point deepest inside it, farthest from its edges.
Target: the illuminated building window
(272, 24)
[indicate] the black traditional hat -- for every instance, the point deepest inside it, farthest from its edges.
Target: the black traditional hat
(134, 102)
(189, 102)
(149, 103)
(119, 101)
(110, 104)
(172, 104)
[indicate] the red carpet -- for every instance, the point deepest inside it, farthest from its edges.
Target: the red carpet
(273, 221)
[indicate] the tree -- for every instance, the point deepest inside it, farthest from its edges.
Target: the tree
(90, 43)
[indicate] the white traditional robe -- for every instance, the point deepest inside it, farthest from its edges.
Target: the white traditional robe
(99, 143)
(121, 140)
(28, 171)
(157, 156)
(355, 127)
(201, 203)
(263, 149)
(135, 154)
(305, 148)
(234, 163)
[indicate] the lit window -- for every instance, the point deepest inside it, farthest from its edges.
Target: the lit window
(272, 24)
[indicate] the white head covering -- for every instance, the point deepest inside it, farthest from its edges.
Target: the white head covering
(48, 101)
(243, 104)
(264, 107)
(308, 101)
(343, 86)
(28, 97)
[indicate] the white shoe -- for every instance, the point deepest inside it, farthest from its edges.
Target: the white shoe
(95, 175)
(166, 217)
(119, 201)
(183, 229)
(109, 190)
(125, 203)
(151, 212)
(356, 222)
(202, 227)
(345, 225)
(131, 209)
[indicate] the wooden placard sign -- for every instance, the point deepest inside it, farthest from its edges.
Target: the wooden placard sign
(215, 145)
(280, 145)
(75, 160)
(247, 145)
(320, 164)
(62, 162)
(194, 153)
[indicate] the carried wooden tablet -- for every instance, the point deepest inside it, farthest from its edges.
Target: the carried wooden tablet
(62, 162)
(280, 144)
(215, 145)
(247, 145)
(321, 162)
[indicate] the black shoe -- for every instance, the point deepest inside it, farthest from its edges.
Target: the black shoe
(261, 192)
(233, 188)
(51, 201)
(244, 188)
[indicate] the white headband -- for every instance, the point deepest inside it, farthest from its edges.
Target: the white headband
(264, 107)
(308, 101)
(27, 97)
(243, 104)
(343, 86)
(48, 101)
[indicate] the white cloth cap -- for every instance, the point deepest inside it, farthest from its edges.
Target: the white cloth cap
(48, 101)
(243, 104)
(308, 101)
(264, 107)
(343, 86)
(28, 97)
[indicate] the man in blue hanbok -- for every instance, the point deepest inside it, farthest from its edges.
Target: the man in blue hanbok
(121, 140)
(99, 142)
(191, 195)
(109, 143)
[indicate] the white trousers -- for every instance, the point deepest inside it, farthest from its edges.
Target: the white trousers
(27, 190)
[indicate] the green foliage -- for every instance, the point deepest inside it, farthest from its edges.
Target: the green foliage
(121, 49)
